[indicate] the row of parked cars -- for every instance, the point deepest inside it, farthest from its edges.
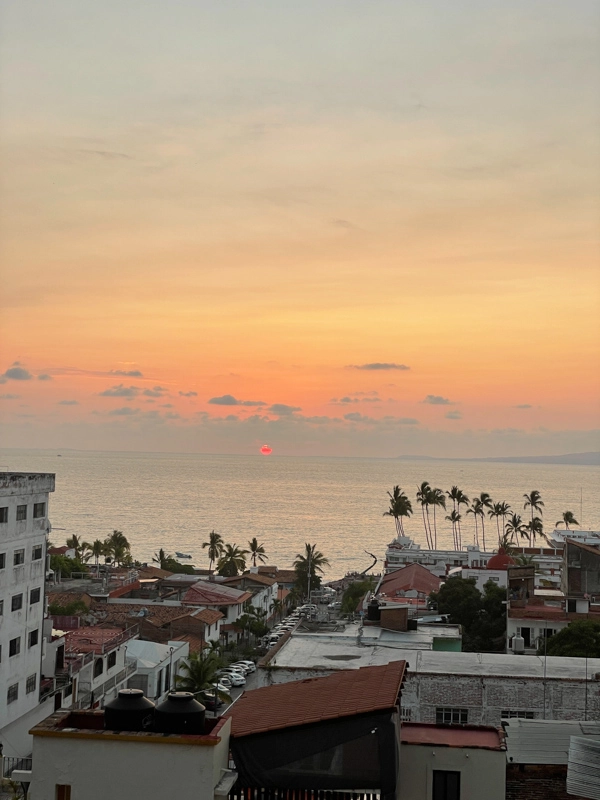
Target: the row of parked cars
(228, 677)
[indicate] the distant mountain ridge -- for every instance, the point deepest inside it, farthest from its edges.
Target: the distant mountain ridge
(591, 459)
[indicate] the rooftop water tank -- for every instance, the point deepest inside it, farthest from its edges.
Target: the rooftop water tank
(129, 711)
(373, 611)
(518, 645)
(180, 713)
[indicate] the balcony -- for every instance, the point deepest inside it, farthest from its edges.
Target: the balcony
(89, 698)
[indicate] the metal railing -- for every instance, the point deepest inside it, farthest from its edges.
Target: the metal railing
(253, 793)
(10, 763)
(85, 699)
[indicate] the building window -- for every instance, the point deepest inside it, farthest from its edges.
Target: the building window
(446, 785)
(39, 510)
(34, 596)
(19, 557)
(4, 514)
(16, 604)
(37, 552)
(68, 690)
(1, 607)
(13, 693)
(14, 647)
(509, 714)
(2, 560)
(31, 684)
(98, 667)
(21, 513)
(62, 791)
(406, 714)
(111, 660)
(451, 716)
(34, 637)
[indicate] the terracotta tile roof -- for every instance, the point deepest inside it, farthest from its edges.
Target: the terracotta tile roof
(474, 736)
(204, 593)
(196, 643)
(66, 598)
(344, 694)
(126, 613)
(285, 575)
(92, 639)
(413, 577)
(550, 612)
(254, 577)
(282, 593)
(208, 615)
(154, 572)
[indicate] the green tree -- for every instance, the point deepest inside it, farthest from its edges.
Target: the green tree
(482, 616)
(78, 545)
(580, 639)
(459, 498)
(161, 558)
(257, 551)
(64, 567)
(117, 546)
(499, 510)
(437, 499)
(515, 527)
(97, 549)
(423, 499)
(460, 599)
(568, 518)
(353, 594)
(277, 607)
(306, 566)
(232, 561)
(533, 501)
(535, 527)
(454, 517)
(476, 509)
(216, 546)
(200, 673)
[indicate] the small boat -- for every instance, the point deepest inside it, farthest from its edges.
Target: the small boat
(182, 555)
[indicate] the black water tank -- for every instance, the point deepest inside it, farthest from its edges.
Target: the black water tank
(373, 611)
(179, 713)
(129, 711)
(413, 625)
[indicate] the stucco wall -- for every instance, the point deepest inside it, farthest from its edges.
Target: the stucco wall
(482, 772)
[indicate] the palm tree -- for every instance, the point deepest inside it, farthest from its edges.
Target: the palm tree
(454, 518)
(436, 499)
(232, 561)
(423, 498)
(477, 510)
(505, 544)
(200, 673)
(485, 501)
(307, 565)
(257, 551)
(514, 527)
(117, 545)
(400, 506)
(461, 500)
(568, 518)
(277, 607)
(535, 527)
(75, 543)
(499, 510)
(97, 549)
(216, 546)
(161, 558)
(533, 500)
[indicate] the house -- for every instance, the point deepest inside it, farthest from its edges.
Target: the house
(263, 588)
(412, 584)
(76, 756)
(24, 526)
(229, 601)
(158, 666)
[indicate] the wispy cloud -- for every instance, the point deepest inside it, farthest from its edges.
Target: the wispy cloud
(124, 412)
(189, 394)
(121, 391)
(10, 396)
(44, 377)
(230, 400)
(127, 373)
(282, 410)
(437, 400)
(523, 405)
(378, 365)
(453, 415)
(157, 391)
(68, 403)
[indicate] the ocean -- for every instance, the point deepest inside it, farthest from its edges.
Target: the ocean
(174, 501)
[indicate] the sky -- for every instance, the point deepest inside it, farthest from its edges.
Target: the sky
(339, 228)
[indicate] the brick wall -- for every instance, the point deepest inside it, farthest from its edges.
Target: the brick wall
(531, 782)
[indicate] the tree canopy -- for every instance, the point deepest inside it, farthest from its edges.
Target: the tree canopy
(580, 639)
(482, 616)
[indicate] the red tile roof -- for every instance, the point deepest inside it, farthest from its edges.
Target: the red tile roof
(93, 639)
(208, 615)
(474, 736)
(413, 577)
(254, 577)
(196, 643)
(344, 694)
(204, 593)
(550, 612)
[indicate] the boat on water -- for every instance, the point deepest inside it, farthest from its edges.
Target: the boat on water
(182, 555)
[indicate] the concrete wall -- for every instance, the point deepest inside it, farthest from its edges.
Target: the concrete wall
(482, 772)
(16, 739)
(122, 770)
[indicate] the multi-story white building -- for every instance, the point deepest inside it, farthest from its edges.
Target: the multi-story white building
(24, 527)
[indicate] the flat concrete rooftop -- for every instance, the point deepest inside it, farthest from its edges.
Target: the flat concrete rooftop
(329, 652)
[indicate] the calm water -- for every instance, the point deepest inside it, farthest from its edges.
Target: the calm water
(174, 501)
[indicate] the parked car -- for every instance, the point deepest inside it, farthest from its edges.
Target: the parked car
(250, 665)
(210, 701)
(236, 678)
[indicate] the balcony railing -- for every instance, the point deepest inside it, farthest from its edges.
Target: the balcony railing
(86, 699)
(252, 793)
(10, 763)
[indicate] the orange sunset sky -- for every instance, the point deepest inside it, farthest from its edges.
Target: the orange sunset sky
(342, 228)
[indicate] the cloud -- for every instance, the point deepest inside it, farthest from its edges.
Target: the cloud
(44, 377)
(343, 223)
(437, 400)
(189, 394)
(124, 412)
(406, 420)
(356, 417)
(157, 391)
(454, 415)
(131, 373)
(230, 400)
(523, 405)
(378, 365)
(282, 410)
(371, 400)
(10, 396)
(121, 391)
(166, 405)
(18, 374)
(68, 403)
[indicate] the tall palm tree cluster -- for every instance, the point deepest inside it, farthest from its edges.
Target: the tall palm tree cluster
(431, 499)
(115, 547)
(230, 559)
(306, 566)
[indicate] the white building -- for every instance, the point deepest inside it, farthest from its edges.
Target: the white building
(158, 666)
(24, 527)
